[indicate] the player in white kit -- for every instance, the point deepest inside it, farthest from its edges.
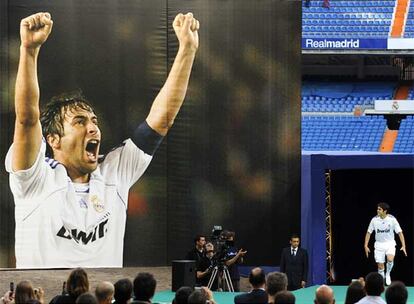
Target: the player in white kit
(384, 225)
(70, 209)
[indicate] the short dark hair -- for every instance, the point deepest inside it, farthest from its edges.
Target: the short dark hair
(276, 281)
(123, 290)
(354, 293)
(87, 298)
(226, 234)
(284, 297)
(144, 286)
(197, 297)
(53, 114)
(257, 277)
(374, 284)
(198, 237)
(384, 206)
(182, 294)
(396, 293)
(294, 236)
(77, 282)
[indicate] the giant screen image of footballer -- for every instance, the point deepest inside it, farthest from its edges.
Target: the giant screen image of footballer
(70, 208)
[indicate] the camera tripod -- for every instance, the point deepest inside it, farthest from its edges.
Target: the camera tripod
(226, 276)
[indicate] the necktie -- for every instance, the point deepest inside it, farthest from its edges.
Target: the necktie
(293, 252)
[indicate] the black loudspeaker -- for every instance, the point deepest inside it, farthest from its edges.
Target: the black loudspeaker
(183, 273)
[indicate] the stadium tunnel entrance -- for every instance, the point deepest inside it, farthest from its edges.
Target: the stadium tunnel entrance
(354, 196)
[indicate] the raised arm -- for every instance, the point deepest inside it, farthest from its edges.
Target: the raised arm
(34, 31)
(170, 98)
(240, 254)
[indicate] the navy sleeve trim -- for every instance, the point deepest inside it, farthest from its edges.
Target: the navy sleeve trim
(146, 138)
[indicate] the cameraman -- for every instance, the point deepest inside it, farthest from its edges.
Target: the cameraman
(197, 253)
(205, 268)
(233, 258)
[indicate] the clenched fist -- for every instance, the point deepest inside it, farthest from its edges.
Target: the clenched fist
(186, 29)
(35, 29)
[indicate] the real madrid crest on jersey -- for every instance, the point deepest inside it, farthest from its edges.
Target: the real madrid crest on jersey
(98, 205)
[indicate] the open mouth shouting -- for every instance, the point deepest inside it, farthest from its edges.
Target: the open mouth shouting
(92, 148)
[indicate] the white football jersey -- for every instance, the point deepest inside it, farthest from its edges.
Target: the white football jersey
(384, 228)
(61, 224)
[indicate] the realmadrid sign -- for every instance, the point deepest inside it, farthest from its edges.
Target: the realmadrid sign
(332, 44)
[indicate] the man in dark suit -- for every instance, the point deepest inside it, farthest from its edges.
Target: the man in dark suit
(258, 294)
(294, 262)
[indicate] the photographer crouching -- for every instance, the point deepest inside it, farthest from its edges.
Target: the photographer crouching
(205, 268)
(232, 258)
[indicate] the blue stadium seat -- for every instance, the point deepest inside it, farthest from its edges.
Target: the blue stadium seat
(341, 133)
(357, 16)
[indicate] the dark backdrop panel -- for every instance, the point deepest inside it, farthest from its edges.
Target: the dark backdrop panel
(232, 157)
(355, 194)
(234, 152)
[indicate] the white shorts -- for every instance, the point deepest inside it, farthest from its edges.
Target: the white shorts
(382, 249)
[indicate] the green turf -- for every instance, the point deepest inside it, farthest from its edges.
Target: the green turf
(303, 296)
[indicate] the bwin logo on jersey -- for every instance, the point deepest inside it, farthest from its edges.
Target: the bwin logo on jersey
(81, 236)
(383, 231)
